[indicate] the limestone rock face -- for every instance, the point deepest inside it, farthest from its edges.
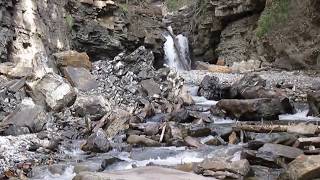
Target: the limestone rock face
(104, 30)
(6, 28)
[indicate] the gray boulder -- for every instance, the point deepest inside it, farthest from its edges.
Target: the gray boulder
(92, 106)
(27, 118)
(252, 109)
(53, 90)
(97, 142)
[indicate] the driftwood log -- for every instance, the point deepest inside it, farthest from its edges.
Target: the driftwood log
(260, 127)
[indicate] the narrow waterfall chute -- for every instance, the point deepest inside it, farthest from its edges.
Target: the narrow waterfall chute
(176, 50)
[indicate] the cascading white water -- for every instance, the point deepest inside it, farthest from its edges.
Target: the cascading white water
(176, 50)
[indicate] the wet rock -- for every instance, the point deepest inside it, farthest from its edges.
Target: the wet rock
(54, 91)
(275, 138)
(233, 138)
(108, 162)
(215, 166)
(151, 87)
(174, 134)
(152, 129)
(307, 141)
(180, 116)
(303, 167)
(185, 95)
(253, 109)
(303, 129)
(57, 168)
(92, 106)
(80, 78)
(118, 122)
(97, 142)
(211, 140)
(261, 172)
(142, 140)
(73, 59)
(140, 173)
(85, 167)
(261, 159)
(198, 131)
(279, 150)
(193, 142)
(27, 118)
(314, 103)
(212, 89)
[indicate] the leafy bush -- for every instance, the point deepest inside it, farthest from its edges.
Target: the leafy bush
(275, 14)
(174, 5)
(69, 20)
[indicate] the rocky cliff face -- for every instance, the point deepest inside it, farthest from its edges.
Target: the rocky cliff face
(227, 32)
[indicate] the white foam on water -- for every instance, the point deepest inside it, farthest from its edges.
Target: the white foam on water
(300, 115)
(202, 101)
(219, 120)
(68, 174)
(184, 157)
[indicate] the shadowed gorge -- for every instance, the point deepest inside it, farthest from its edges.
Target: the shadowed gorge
(159, 89)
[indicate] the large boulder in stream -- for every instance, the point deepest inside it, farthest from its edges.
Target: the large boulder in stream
(314, 103)
(212, 89)
(142, 173)
(253, 86)
(97, 142)
(253, 109)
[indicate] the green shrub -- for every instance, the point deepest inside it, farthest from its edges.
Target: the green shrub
(124, 8)
(69, 20)
(174, 5)
(275, 14)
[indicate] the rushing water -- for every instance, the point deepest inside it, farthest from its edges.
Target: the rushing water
(176, 50)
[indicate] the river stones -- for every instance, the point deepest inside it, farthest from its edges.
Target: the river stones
(303, 167)
(97, 142)
(222, 168)
(278, 150)
(142, 140)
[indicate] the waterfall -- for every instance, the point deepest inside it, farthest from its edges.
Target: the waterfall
(176, 50)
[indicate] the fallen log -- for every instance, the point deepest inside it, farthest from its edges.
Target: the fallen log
(265, 128)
